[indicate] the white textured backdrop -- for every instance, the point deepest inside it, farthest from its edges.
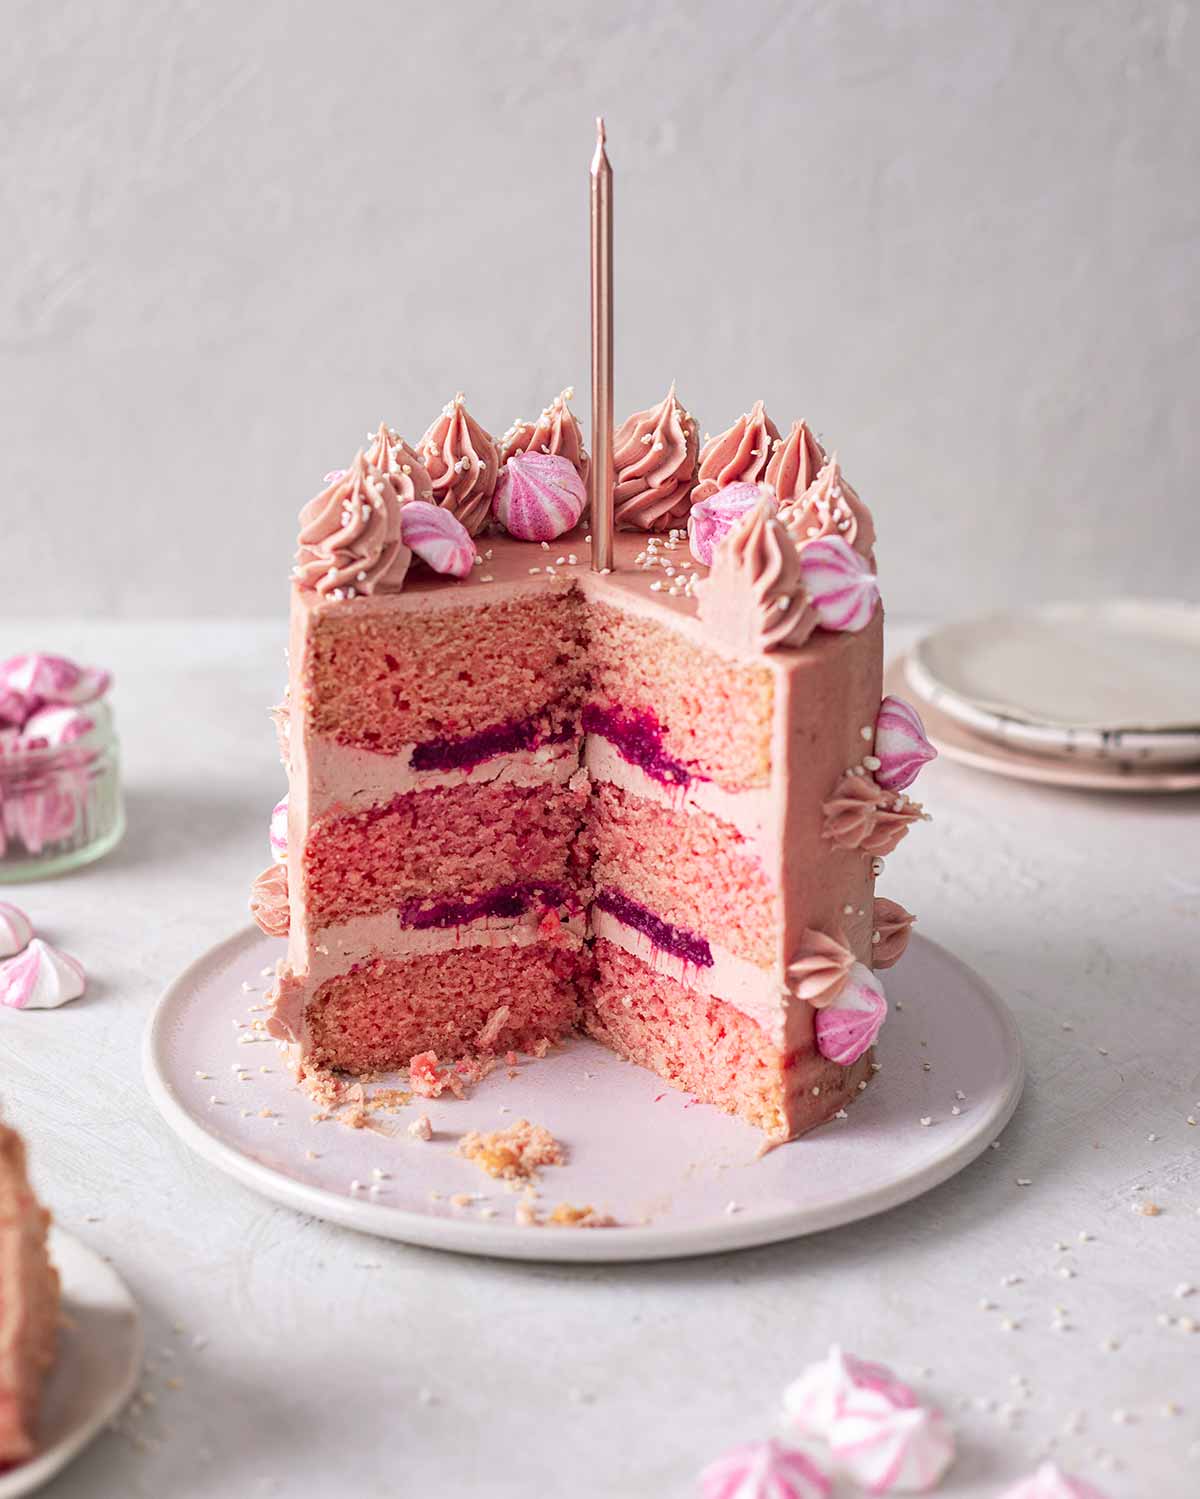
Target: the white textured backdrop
(962, 239)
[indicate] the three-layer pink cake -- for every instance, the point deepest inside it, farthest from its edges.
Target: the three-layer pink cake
(528, 798)
(29, 1300)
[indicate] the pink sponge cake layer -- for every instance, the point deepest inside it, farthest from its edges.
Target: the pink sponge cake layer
(428, 844)
(383, 1012)
(691, 869)
(710, 1049)
(712, 720)
(383, 680)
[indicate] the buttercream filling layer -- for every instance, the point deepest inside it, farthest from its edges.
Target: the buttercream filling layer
(689, 947)
(755, 991)
(357, 779)
(383, 935)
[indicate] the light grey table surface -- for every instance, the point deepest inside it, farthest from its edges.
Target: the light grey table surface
(309, 1361)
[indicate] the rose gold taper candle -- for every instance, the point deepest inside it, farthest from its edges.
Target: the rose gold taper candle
(601, 480)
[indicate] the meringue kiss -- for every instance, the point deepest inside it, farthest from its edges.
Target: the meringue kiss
(539, 496)
(840, 585)
(438, 537)
(764, 1470)
(711, 520)
(16, 929)
(812, 1403)
(846, 1028)
(893, 1450)
(42, 978)
(900, 744)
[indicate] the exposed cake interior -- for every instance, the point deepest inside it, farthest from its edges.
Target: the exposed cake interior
(544, 809)
(29, 1300)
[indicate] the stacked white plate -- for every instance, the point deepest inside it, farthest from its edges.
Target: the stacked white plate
(1084, 694)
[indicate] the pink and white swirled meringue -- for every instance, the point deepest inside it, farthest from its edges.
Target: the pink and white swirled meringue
(350, 539)
(710, 521)
(891, 928)
(269, 904)
(818, 972)
(391, 455)
(55, 726)
(539, 496)
(796, 460)
(753, 597)
(764, 1470)
(53, 679)
(1050, 1482)
(739, 455)
(438, 537)
(814, 1402)
(16, 929)
(891, 1450)
(843, 589)
(41, 978)
(654, 464)
(463, 464)
(556, 431)
(15, 707)
(900, 744)
(830, 507)
(847, 1027)
(279, 831)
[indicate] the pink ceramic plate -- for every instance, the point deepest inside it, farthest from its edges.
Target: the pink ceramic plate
(680, 1177)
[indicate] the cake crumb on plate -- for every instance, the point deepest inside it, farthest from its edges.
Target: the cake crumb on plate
(514, 1154)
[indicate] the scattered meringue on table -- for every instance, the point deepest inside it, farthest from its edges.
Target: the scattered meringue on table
(16, 929)
(1050, 1482)
(892, 1450)
(764, 1470)
(41, 978)
(812, 1403)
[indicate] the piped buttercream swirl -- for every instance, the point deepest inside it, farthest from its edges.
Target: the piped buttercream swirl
(654, 464)
(829, 507)
(739, 455)
(796, 460)
(556, 432)
(350, 536)
(391, 455)
(753, 597)
(269, 901)
(463, 464)
(891, 929)
(818, 972)
(862, 815)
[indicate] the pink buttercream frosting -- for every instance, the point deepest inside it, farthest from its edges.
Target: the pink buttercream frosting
(269, 901)
(891, 928)
(350, 539)
(654, 462)
(796, 460)
(391, 455)
(540, 496)
(739, 455)
(818, 971)
(830, 507)
(862, 815)
(463, 464)
(556, 432)
(753, 597)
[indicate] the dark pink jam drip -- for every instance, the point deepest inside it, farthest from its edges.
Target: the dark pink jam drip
(676, 940)
(498, 739)
(638, 738)
(508, 901)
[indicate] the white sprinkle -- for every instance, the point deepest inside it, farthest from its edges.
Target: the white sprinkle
(356, 1185)
(204, 1075)
(926, 1121)
(1024, 1181)
(1185, 1288)
(733, 1207)
(1150, 1139)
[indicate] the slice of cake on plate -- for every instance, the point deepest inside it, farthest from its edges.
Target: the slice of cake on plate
(29, 1301)
(527, 798)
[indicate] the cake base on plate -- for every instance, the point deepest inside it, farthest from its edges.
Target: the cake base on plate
(677, 1177)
